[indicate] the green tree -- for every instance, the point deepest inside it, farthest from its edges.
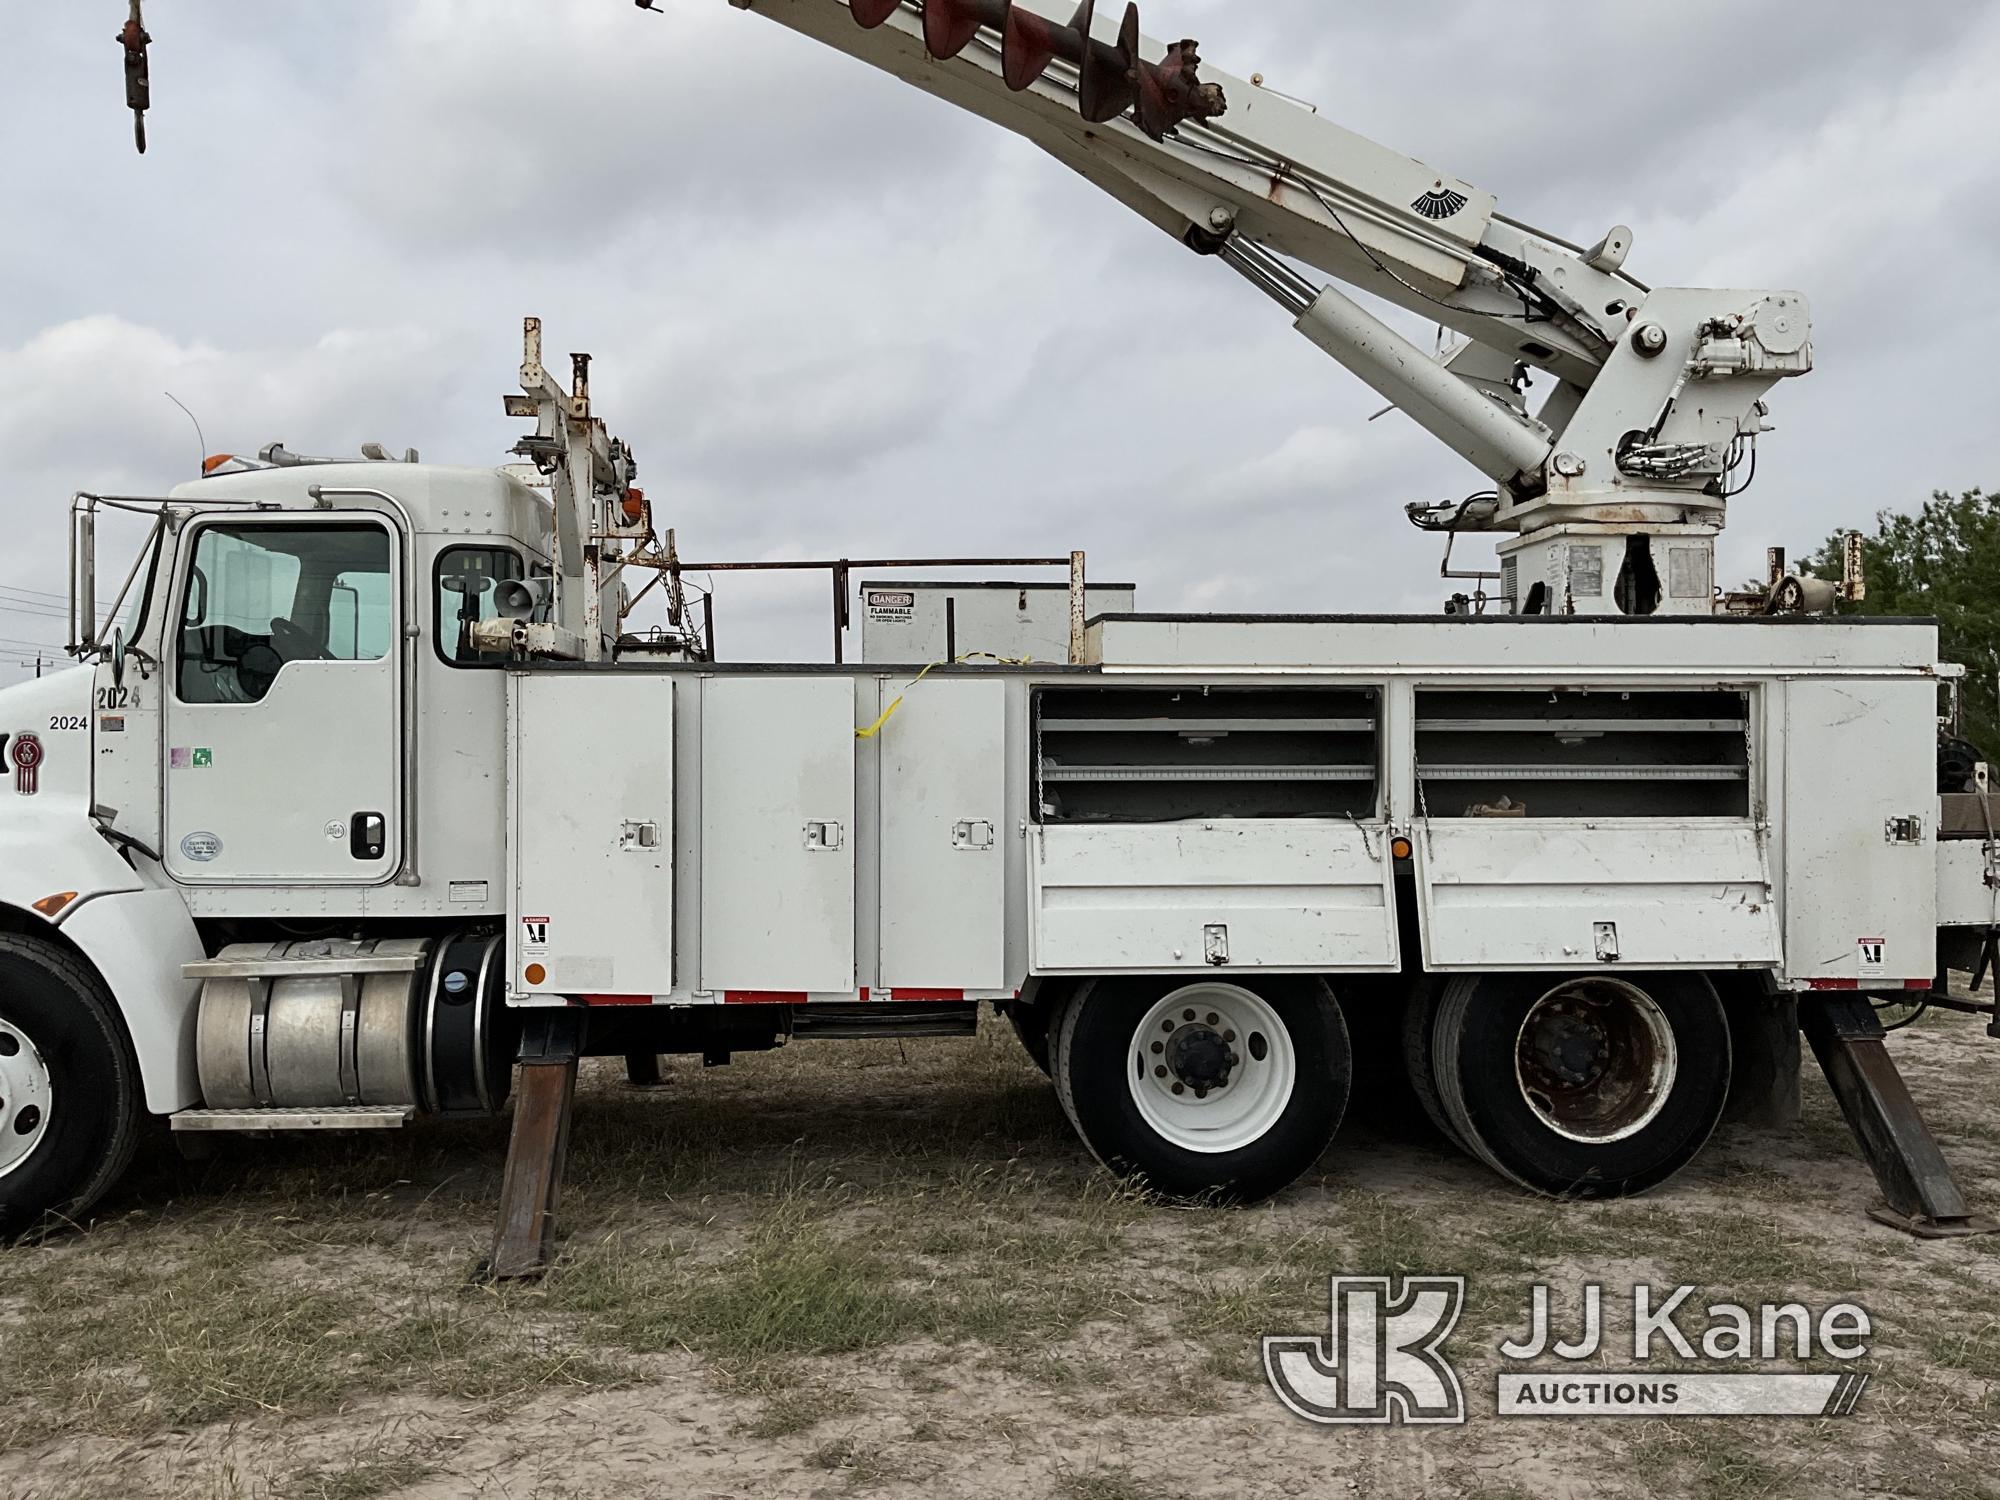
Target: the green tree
(1943, 562)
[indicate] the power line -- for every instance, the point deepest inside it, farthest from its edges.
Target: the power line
(37, 596)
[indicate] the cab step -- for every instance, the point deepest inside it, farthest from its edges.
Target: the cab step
(266, 1121)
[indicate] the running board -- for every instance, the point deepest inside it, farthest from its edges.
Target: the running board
(268, 1121)
(1920, 1195)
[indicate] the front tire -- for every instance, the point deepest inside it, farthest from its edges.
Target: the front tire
(70, 1101)
(1219, 1090)
(1592, 1086)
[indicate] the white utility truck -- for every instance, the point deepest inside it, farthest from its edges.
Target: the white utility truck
(368, 794)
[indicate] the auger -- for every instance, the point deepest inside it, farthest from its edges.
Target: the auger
(1111, 78)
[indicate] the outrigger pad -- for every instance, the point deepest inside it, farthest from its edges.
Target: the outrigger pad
(1926, 1229)
(1922, 1198)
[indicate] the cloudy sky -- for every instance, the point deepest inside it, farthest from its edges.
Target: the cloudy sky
(836, 318)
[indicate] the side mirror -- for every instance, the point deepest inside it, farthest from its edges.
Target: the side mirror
(118, 656)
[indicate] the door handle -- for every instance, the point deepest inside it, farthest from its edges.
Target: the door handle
(369, 836)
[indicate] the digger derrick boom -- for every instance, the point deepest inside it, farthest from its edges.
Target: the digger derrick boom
(1197, 151)
(1657, 400)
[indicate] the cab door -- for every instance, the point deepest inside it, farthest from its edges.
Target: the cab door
(284, 715)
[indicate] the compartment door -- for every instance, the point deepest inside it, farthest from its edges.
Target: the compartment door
(1548, 894)
(1283, 894)
(944, 851)
(777, 860)
(1860, 895)
(591, 857)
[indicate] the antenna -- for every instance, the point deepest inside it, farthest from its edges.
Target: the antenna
(201, 459)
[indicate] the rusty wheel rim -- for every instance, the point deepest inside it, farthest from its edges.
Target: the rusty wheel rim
(1596, 1060)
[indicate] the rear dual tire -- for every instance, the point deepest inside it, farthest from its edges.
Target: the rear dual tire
(1591, 1086)
(1210, 1090)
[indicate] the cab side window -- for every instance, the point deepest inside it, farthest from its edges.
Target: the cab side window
(467, 579)
(261, 597)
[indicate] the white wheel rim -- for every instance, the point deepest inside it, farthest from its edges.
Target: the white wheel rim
(26, 1093)
(1596, 1060)
(1173, 1081)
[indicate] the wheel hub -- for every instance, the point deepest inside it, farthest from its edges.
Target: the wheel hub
(1212, 1067)
(26, 1093)
(1198, 1056)
(1569, 1050)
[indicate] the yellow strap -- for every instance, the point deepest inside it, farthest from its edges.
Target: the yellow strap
(890, 712)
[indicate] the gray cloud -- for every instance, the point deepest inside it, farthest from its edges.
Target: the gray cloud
(837, 318)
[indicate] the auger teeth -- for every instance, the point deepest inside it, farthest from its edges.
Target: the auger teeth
(1172, 91)
(1111, 78)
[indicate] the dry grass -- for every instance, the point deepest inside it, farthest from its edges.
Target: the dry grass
(858, 1266)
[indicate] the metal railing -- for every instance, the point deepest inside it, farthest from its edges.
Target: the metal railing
(842, 571)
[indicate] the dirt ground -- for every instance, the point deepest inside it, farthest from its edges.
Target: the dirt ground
(891, 1270)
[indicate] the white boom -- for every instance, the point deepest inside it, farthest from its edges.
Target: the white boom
(1658, 394)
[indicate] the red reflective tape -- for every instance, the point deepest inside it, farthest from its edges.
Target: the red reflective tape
(921, 995)
(617, 999)
(763, 997)
(1918, 984)
(1833, 984)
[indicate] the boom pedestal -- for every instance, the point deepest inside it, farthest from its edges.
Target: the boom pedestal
(1919, 1192)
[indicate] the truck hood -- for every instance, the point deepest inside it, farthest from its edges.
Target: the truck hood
(47, 841)
(49, 716)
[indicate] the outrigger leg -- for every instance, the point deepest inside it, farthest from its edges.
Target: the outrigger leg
(642, 1070)
(1920, 1195)
(524, 1240)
